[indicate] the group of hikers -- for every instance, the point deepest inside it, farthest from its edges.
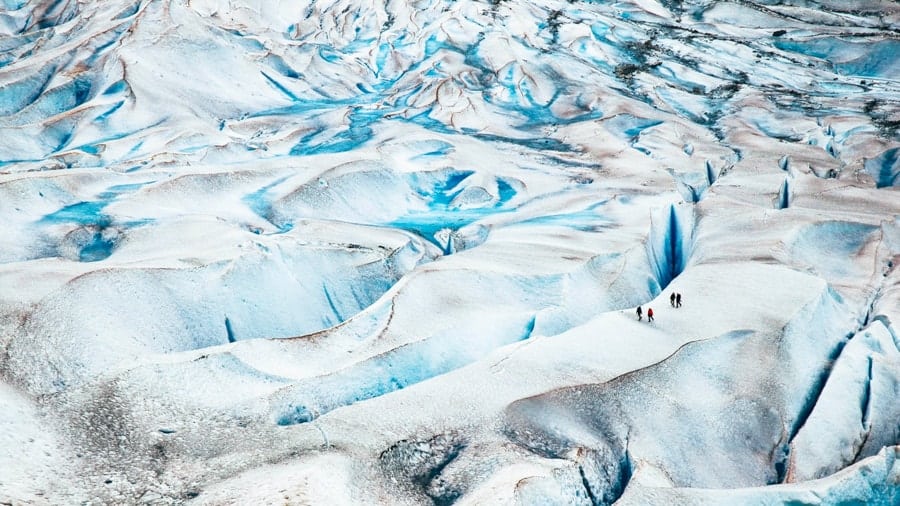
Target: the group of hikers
(674, 299)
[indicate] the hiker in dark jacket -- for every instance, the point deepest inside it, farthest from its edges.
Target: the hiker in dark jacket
(640, 313)
(672, 299)
(677, 300)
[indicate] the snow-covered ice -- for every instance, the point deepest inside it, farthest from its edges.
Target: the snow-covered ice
(328, 252)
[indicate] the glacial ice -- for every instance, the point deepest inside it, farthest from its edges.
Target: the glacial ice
(327, 252)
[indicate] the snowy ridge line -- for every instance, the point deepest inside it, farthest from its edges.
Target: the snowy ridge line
(644, 369)
(339, 416)
(810, 404)
(674, 259)
(860, 353)
(403, 230)
(552, 432)
(868, 480)
(376, 383)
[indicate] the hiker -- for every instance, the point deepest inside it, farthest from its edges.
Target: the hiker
(678, 300)
(650, 314)
(672, 299)
(640, 313)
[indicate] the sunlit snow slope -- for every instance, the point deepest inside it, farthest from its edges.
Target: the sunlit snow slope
(336, 252)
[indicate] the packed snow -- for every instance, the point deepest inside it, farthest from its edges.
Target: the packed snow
(328, 252)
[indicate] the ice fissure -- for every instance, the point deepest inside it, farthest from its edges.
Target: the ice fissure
(603, 485)
(229, 331)
(850, 433)
(669, 242)
(588, 488)
(712, 175)
(783, 200)
(810, 400)
(885, 168)
(866, 399)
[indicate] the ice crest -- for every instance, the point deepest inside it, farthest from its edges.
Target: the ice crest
(332, 252)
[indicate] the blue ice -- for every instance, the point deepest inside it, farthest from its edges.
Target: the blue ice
(91, 212)
(13, 5)
(89, 149)
(16, 96)
(278, 63)
(429, 225)
(105, 42)
(538, 143)
(628, 126)
(84, 213)
(877, 59)
(587, 220)
(357, 133)
(129, 11)
(99, 248)
(391, 371)
(278, 86)
(384, 50)
(328, 54)
(885, 168)
(669, 246)
(260, 203)
(775, 129)
(829, 246)
(116, 190)
(435, 148)
(439, 189)
(55, 101)
(109, 112)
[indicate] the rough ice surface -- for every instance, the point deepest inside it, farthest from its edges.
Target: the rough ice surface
(330, 252)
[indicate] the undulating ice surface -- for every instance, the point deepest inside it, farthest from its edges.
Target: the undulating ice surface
(336, 252)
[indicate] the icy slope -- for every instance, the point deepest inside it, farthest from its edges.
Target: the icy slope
(338, 253)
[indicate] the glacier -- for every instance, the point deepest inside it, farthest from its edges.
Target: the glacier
(329, 252)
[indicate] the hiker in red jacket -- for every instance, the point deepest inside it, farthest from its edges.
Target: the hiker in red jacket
(650, 314)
